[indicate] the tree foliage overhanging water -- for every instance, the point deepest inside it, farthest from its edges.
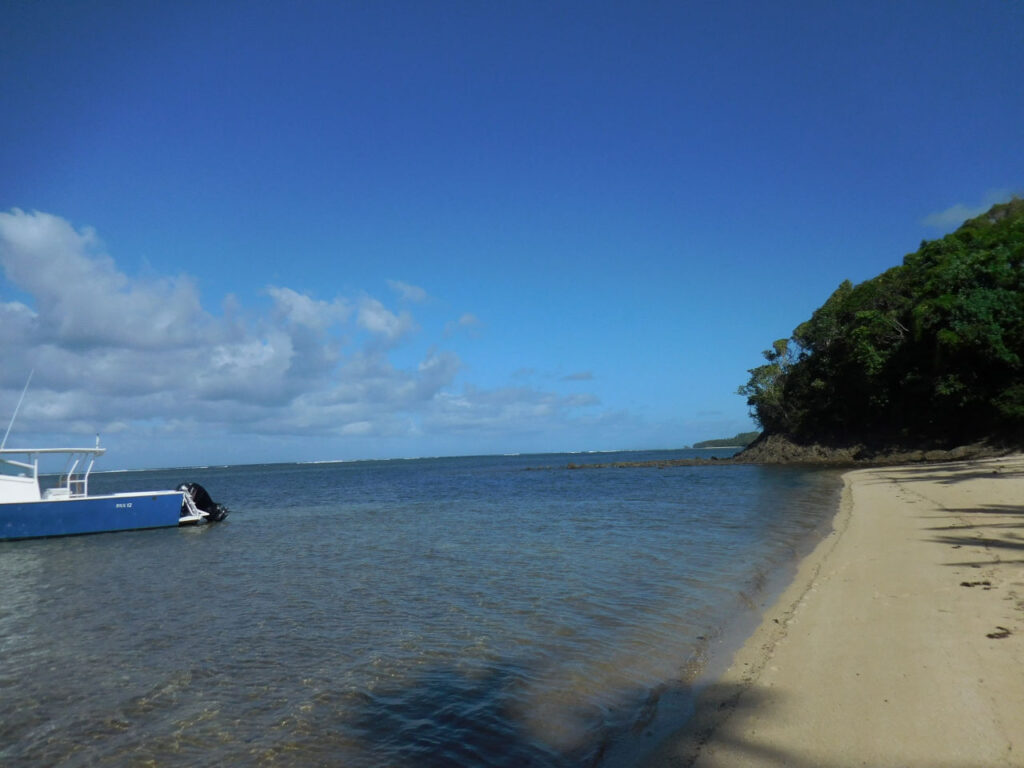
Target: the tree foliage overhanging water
(928, 351)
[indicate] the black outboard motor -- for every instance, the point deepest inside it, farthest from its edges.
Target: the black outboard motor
(216, 512)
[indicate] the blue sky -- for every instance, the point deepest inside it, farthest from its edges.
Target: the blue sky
(289, 231)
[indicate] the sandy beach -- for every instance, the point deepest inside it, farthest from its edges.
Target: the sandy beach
(899, 643)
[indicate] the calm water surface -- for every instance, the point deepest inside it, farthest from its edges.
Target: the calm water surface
(432, 612)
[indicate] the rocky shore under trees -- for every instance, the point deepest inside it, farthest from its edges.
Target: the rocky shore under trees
(780, 449)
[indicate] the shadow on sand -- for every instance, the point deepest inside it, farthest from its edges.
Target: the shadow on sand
(979, 519)
(449, 717)
(446, 718)
(949, 474)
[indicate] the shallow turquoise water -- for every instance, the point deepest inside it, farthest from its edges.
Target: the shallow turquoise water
(461, 611)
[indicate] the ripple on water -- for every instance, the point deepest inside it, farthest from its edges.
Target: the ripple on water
(434, 612)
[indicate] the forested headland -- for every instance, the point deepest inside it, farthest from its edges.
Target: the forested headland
(927, 354)
(741, 440)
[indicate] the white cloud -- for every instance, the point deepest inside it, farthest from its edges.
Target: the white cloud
(358, 428)
(120, 354)
(952, 217)
(510, 410)
(468, 322)
(379, 320)
(407, 292)
(67, 275)
(16, 321)
(303, 310)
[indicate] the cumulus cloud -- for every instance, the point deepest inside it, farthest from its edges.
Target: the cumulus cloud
(118, 353)
(382, 322)
(16, 321)
(66, 272)
(303, 310)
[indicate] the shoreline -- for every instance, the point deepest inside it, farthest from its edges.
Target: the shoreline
(900, 641)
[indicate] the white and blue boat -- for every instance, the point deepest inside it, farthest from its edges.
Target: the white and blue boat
(67, 509)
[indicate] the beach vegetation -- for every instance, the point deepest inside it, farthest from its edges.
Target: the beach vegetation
(932, 349)
(740, 440)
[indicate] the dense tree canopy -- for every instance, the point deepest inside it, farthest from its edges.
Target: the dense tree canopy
(929, 350)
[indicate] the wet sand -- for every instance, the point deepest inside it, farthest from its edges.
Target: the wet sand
(899, 643)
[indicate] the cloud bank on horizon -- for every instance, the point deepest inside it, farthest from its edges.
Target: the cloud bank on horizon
(113, 353)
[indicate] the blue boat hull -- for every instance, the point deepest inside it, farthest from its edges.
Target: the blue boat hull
(91, 514)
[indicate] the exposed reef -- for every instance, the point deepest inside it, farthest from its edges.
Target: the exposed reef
(780, 449)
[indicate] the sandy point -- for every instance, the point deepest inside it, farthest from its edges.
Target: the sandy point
(899, 643)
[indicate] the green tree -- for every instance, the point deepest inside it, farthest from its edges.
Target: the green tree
(765, 392)
(932, 348)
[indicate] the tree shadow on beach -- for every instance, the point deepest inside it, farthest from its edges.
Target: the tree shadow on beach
(717, 703)
(1002, 536)
(448, 718)
(982, 563)
(990, 509)
(1012, 511)
(988, 542)
(950, 475)
(709, 730)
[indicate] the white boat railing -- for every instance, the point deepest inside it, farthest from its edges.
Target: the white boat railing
(77, 482)
(73, 481)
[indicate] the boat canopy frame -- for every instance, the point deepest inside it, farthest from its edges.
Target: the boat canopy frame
(73, 481)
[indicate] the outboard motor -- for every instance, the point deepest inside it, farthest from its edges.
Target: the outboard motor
(216, 512)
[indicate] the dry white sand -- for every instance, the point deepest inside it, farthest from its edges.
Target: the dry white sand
(900, 643)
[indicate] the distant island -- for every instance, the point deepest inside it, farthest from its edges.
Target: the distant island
(926, 357)
(742, 440)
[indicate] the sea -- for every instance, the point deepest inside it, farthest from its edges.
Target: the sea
(470, 611)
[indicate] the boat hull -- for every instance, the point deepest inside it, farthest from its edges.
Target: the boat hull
(90, 514)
